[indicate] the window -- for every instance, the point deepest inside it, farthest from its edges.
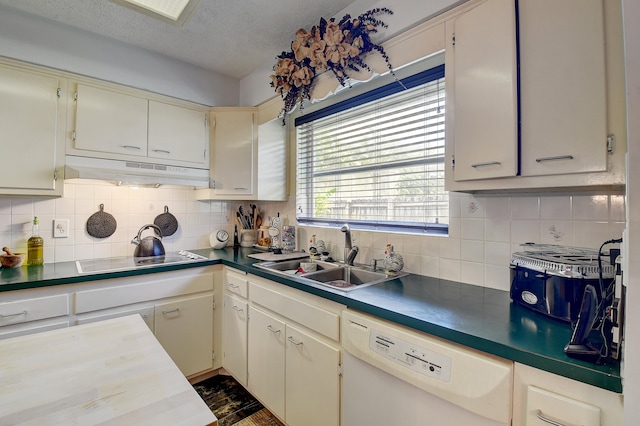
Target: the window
(376, 161)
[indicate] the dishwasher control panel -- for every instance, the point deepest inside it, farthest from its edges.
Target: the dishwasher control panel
(416, 358)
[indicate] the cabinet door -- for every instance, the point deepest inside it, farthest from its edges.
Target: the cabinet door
(184, 328)
(481, 82)
(312, 380)
(110, 122)
(235, 142)
(33, 144)
(272, 161)
(177, 133)
(266, 360)
(562, 87)
(235, 338)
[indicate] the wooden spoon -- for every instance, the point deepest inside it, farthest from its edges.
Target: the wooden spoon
(6, 249)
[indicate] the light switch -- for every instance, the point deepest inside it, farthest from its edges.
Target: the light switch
(60, 228)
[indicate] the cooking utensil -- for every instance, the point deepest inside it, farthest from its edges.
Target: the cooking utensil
(11, 260)
(166, 222)
(150, 245)
(101, 224)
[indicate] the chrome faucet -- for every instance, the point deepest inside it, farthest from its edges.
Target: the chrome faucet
(350, 252)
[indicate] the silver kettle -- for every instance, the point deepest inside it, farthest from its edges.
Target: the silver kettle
(150, 245)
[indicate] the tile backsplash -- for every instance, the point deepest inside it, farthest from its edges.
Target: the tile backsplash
(131, 207)
(483, 229)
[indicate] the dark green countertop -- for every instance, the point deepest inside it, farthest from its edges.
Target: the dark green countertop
(477, 317)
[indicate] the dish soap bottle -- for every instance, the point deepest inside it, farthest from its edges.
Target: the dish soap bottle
(35, 245)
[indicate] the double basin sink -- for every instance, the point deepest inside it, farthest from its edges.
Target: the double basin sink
(330, 274)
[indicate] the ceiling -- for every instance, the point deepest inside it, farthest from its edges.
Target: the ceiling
(231, 37)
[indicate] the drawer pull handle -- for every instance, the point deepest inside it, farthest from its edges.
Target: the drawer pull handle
(235, 308)
(232, 286)
(131, 147)
(546, 419)
(163, 151)
(558, 157)
(171, 311)
(290, 338)
(271, 329)
(13, 315)
(488, 163)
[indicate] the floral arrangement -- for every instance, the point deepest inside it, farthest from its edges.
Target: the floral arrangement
(338, 47)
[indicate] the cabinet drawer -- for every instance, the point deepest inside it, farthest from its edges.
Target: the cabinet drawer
(236, 283)
(26, 310)
(32, 328)
(544, 407)
(317, 319)
(146, 312)
(153, 287)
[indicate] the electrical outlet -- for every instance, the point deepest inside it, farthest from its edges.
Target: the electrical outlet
(60, 228)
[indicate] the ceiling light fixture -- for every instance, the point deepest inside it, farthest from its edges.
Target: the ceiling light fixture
(172, 11)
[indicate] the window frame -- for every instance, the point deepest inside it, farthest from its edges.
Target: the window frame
(415, 80)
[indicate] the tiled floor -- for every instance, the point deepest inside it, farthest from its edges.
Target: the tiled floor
(232, 404)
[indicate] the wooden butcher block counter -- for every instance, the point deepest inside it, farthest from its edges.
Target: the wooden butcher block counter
(112, 372)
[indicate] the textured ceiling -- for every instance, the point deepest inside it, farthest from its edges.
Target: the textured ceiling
(232, 37)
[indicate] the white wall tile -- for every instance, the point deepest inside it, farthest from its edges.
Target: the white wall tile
(430, 266)
(472, 206)
(449, 269)
(498, 207)
(525, 208)
(497, 253)
(450, 248)
(590, 207)
(525, 231)
(471, 229)
(590, 234)
(472, 273)
(555, 207)
(556, 232)
(617, 206)
(472, 250)
(497, 230)
(497, 277)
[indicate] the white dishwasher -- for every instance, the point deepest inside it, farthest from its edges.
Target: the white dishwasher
(393, 375)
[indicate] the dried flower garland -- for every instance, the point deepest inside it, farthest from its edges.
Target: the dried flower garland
(338, 47)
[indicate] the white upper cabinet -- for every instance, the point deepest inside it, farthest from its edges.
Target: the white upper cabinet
(572, 118)
(234, 153)
(562, 87)
(32, 106)
(112, 122)
(481, 85)
(248, 159)
(177, 133)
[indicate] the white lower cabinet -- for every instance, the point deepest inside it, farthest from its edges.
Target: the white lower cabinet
(177, 306)
(266, 360)
(235, 337)
(542, 398)
(184, 329)
(312, 385)
(294, 353)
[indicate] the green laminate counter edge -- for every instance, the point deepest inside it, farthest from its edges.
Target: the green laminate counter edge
(477, 317)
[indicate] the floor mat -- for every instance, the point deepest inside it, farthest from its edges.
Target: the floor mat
(232, 404)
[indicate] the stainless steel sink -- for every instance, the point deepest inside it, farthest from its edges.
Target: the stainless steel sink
(290, 267)
(349, 277)
(330, 274)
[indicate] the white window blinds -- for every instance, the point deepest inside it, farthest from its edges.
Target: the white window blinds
(379, 164)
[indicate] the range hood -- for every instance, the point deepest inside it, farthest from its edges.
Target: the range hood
(127, 172)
